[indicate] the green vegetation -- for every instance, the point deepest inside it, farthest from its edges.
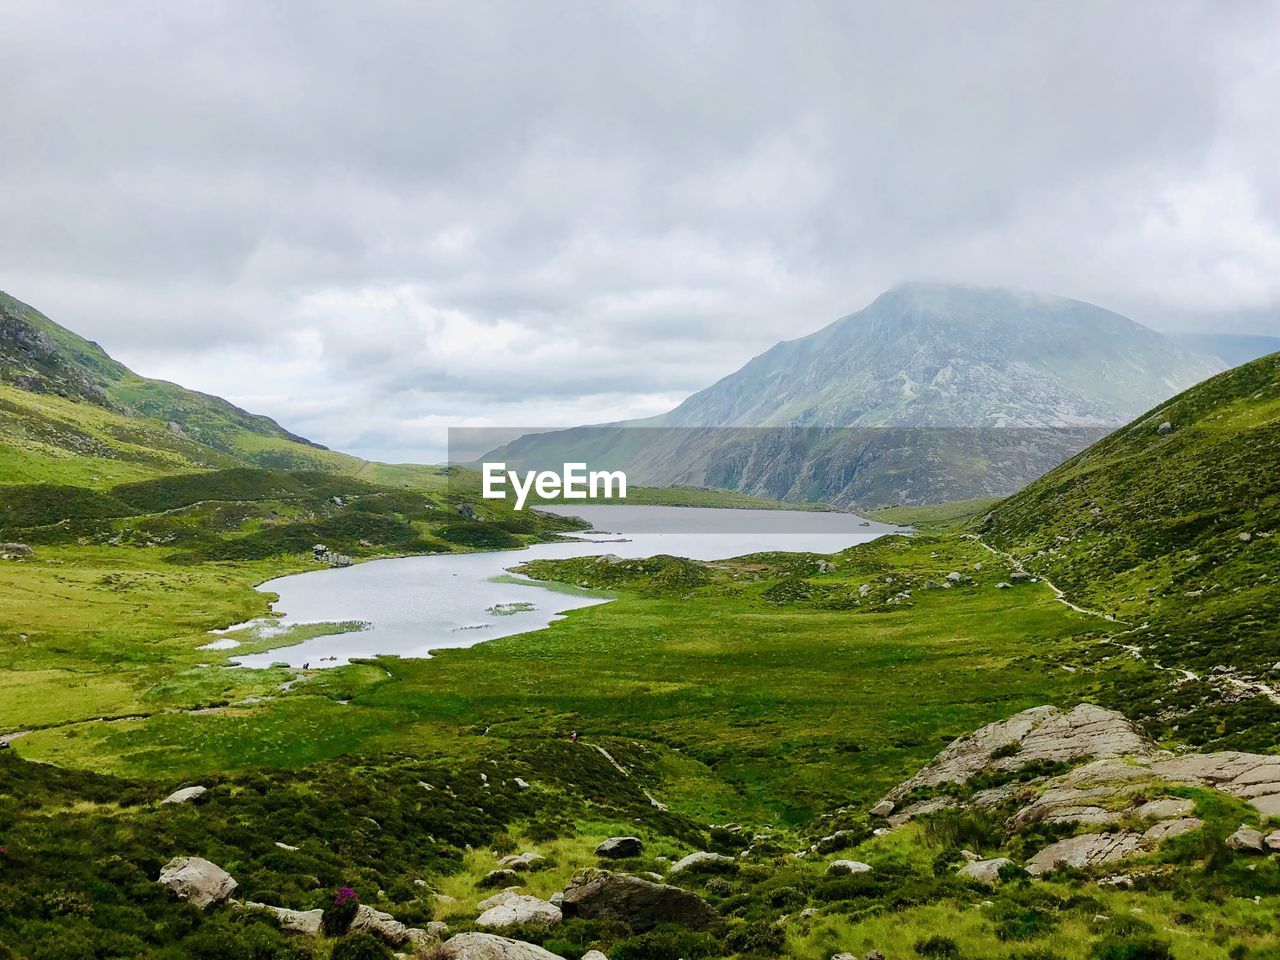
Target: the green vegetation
(756, 705)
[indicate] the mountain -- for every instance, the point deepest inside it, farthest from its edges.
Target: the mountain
(932, 392)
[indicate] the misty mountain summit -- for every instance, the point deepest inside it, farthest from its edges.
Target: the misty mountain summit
(931, 354)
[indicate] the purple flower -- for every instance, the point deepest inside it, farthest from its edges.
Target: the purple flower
(344, 896)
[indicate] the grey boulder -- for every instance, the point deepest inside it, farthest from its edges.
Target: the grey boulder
(488, 946)
(641, 904)
(615, 848)
(197, 881)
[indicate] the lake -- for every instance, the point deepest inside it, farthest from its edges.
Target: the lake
(417, 604)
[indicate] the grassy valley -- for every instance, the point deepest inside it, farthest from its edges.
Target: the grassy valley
(756, 710)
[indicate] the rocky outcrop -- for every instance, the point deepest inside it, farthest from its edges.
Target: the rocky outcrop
(488, 946)
(517, 909)
(617, 848)
(1168, 829)
(1250, 776)
(197, 881)
(1086, 850)
(641, 904)
(985, 871)
(703, 862)
(185, 795)
(1039, 734)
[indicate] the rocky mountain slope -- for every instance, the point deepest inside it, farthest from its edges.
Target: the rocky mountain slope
(931, 393)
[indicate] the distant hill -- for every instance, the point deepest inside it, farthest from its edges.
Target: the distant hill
(1172, 520)
(955, 392)
(1231, 348)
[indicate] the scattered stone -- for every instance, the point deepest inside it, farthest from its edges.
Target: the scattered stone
(847, 867)
(499, 878)
(703, 862)
(1002, 585)
(953, 577)
(197, 881)
(1020, 576)
(498, 898)
(519, 910)
(381, 925)
(616, 848)
(488, 946)
(1084, 851)
(843, 956)
(295, 921)
(1247, 839)
(594, 955)
(985, 871)
(185, 795)
(641, 904)
(1165, 429)
(286, 847)
(1166, 829)
(1272, 840)
(1246, 536)
(523, 861)
(882, 809)
(521, 783)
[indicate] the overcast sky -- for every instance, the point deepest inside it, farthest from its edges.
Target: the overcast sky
(371, 220)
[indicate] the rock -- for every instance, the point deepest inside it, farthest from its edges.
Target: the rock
(1166, 829)
(523, 861)
(427, 936)
(846, 867)
(1002, 585)
(295, 921)
(521, 783)
(875, 955)
(499, 878)
(1020, 576)
(1247, 839)
(843, 956)
(288, 848)
(615, 848)
(381, 925)
(1246, 536)
(498, 898)
(594, 955)
(882, 809)
(1165, 429)
(197, 881)
(1166, 808)
(985, 871)
(1272, 840)
(488, 946)
(703, 862)
(519, 910)
(953, 577)
(13, 551)
(1084, 851)
(1041, 733)
(185, 795)
(641, 904)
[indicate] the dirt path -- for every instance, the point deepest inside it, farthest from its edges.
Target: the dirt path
(1059, 594)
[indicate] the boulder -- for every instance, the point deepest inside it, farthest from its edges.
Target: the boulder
(1020, 576)
(594, 955)
(1247, 839)
(500, 897)
(616, 848)
(1165, 429)
(197, 881)
(523, 861)
(381, 925)
(839, 868)
(985, 871)
(1166, 829)
(488, 946)
(882, 809)
(1085, 851)
(641, 904)
(429, 935)
(185, 795)
(703, 862)
(518, 909)
(295, 921)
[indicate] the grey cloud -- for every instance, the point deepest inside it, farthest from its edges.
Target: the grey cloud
(639, 197)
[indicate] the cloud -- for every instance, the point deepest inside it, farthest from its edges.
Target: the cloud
(370, 222)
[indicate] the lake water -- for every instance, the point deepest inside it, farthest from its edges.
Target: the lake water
(417, 604)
